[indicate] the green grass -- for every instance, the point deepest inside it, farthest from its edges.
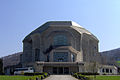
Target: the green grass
(105, 77)
(118, 61)
(4, 77)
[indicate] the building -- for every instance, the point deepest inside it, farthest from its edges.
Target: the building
(11, 62)
(62, 47)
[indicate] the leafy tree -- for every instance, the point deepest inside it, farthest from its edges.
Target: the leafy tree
(1, 66)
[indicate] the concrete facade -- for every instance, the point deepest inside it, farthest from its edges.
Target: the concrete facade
(60, 47)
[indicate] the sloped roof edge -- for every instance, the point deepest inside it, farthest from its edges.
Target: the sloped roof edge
(72, 24)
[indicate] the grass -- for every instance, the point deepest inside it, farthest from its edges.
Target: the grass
(97, 77)
(5, 77)
(105, 77)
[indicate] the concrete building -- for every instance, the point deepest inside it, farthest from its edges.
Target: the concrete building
(61, 47)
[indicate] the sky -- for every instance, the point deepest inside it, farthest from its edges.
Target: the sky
(19, 17)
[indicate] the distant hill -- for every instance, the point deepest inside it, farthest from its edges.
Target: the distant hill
(115, 53)
(11, 60)
(112, 55)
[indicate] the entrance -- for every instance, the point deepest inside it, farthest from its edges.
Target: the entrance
(60, 70)
(66, 70)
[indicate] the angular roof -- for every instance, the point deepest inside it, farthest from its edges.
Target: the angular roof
(71, 24)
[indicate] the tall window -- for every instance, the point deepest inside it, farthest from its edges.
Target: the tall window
(72, 57)
(47, 58)
(60, 40)
(37, 52)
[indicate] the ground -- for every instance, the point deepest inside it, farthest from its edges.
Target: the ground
(60, 77)
(106, 77)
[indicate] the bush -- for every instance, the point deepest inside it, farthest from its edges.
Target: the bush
(37, 73)
(88, 73)
(80, 76)
(29, 74)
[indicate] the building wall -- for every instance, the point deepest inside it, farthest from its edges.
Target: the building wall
(39, 46)
(90, 48)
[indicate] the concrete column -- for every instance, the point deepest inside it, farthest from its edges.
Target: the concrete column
(52, 53)
(69, 57)
(108, 70)
(41, 69)
(81, 69)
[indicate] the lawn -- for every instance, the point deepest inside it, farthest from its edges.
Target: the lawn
(105, 77)
(17, 77)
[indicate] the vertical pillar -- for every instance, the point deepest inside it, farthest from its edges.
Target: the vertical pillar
(81, 69)
(69, 56)
(39, 68)
(108, 70)
(52, 56)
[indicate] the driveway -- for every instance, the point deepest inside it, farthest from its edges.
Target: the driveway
(60, 77)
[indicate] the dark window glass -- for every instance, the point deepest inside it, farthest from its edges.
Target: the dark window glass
(60, 40)
(47, 58)
(37, 52)
(60, 56)
(110, 70)
(103, 70)
(73, 57)
(107, 70)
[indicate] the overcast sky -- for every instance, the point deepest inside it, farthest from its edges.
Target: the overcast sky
(19, 17)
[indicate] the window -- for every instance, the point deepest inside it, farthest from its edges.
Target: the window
(47, 58)
(107, 70)
(110, 70)
(73, 57)
(60, 59)
(60, 40)
(60, 56)
(103, 70)
(37, 52)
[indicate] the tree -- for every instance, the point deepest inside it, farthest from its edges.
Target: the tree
(94, 68)
(1, 66)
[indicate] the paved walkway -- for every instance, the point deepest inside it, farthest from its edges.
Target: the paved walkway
(60, 77)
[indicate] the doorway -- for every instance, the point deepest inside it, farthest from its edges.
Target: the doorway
(60, 70)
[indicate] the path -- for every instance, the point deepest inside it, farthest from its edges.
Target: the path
(60, 77)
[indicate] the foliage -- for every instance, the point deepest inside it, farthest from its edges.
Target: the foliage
(1, 66)
(88, 73)
(118, 63)
(14, 77)
(40, 75)
(80, 76)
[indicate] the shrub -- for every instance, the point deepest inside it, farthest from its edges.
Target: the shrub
(88, 73)
(80, 76)
(37, 73)
(29, 74)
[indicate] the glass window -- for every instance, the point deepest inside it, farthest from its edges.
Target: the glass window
(47, 58)
(107, 70)
(60, 57)
(60, 40)
(103, 70)
(37, 52)
(110, 70)
(73, 57)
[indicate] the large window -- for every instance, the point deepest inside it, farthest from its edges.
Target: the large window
(60, 56)
(60, 40)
